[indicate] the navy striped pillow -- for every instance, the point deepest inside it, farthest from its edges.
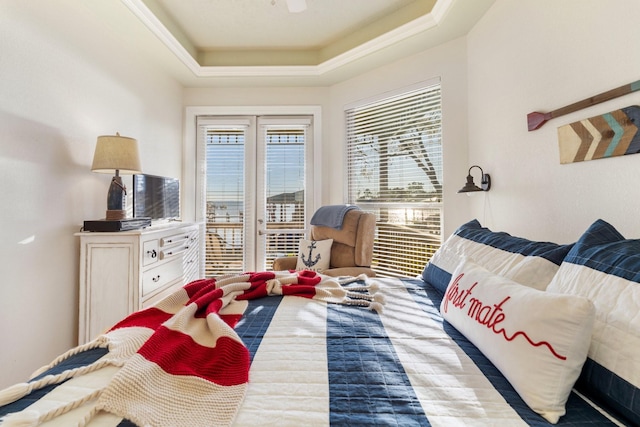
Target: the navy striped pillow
(605, 267)
(524, 261)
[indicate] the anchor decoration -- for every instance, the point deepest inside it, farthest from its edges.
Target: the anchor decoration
(308, 262)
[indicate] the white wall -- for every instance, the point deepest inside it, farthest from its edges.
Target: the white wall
(540, 55)
(65, 79)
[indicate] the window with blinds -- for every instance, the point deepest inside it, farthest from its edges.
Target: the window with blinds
(224, 196)
(252, 189)
(394, 167)
(285, 183)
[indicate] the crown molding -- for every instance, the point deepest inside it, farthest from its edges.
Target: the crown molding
(417, 26)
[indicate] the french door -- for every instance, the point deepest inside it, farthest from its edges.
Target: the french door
(254, 184)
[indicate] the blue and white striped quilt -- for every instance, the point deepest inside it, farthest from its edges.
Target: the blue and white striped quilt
(317, 364)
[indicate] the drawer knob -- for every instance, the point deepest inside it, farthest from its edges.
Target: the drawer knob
(156, 278)
(152, 253)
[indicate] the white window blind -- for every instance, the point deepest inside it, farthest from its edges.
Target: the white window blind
(223, 184)
(284, 183)
(394, 167)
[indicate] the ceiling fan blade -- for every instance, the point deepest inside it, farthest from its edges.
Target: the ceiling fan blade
(296, 6)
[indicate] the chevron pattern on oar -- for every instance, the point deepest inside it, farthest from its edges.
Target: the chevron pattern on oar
(608, 135)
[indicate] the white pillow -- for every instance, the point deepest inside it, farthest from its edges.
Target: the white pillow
(538, 340)
(314, 255)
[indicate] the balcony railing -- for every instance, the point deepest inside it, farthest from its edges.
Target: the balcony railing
(399, 250)
(225, 245)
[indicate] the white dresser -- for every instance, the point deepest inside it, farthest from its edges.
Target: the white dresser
(121, 272)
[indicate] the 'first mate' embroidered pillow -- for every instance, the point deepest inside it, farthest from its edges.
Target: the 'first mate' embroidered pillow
(314, 254)
(538, 340)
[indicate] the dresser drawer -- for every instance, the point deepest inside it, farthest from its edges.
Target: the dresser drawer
(173, 251)
(175, 239)
(150, 252)
(156, 278)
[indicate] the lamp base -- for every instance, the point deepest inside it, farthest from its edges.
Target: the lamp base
(116, 214)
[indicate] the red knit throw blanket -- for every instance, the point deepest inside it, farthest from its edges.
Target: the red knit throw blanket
(182, 362)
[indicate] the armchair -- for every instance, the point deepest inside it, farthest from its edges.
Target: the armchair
(352, 248)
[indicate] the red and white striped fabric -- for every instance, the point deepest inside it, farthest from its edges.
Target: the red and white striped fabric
(182, 362)
(193, 369)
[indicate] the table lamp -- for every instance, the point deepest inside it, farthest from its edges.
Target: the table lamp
(116, 154)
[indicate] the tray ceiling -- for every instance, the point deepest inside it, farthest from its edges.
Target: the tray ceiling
(328, 41)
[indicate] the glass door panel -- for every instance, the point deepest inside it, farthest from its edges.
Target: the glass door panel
(282, 146)
(254, 190)
(225, 147)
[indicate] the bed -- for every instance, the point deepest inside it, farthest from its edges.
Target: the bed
(373, 352)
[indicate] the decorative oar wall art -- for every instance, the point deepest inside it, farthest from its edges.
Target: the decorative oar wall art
(535, 120)
(608, 135)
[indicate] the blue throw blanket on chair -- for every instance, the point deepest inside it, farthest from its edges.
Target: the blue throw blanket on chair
(331, 216)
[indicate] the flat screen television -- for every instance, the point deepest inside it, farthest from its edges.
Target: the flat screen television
(156, 197)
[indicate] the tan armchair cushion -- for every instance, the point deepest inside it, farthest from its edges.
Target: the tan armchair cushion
(352, 249)
(353, 244)
(285, 263)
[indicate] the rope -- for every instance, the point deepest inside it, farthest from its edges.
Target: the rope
(97, 343)
(20, 390)
(30, 418)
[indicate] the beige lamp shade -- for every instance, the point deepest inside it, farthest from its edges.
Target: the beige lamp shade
(116, 153)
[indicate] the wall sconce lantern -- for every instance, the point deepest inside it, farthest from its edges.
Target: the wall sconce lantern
(470, 186)
(116, 154)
